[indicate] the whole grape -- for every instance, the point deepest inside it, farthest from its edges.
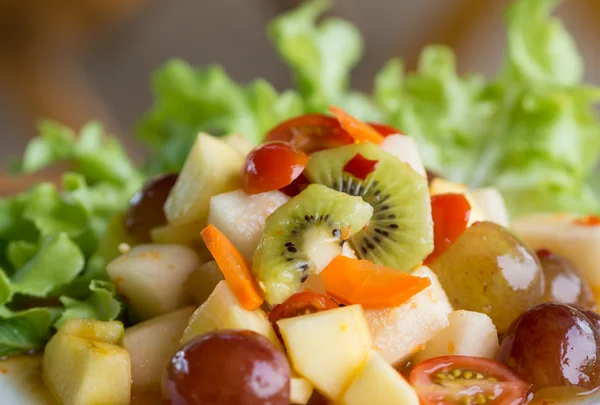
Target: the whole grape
(553, 345)
(229, 368)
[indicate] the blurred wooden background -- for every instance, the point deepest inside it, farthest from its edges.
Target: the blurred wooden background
(75, 60)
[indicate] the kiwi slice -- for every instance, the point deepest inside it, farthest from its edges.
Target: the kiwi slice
(302, 236)
(400, 232)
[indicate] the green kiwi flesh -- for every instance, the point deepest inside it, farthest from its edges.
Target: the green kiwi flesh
(304, 235)
(400, 232)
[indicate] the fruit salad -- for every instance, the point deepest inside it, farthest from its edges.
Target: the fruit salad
(432, 243)
(325, 266)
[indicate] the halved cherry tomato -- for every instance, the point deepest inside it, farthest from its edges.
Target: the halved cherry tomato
(271, 166)
(300, 304)
(360, 167)
(360, 131)
(352, 281)
(384, 129)
(450, 213)
(456, 380)
(310, 133)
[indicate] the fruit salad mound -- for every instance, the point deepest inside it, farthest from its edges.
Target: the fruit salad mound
(337, 274)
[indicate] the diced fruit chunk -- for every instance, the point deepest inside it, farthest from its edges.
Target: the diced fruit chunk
(491, 202)
(300, 390)
(82, 371)
(222, 310)
(239, 143)
(401, 331)
(441, 186)
(241, 217)
(212, 167)
(405, 149)
(202, 282)
(562, 235)
(151, 345)
(108, 332)
(151, 277)
(468, 334)
(21, 381)
(187, 235)
(379, 383)
(327, 348)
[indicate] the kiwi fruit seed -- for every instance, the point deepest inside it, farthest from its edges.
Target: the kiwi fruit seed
(302, 236)
(400, 232)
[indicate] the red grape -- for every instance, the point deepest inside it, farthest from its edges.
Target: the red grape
(563, 283)
(229, 368)
(553, 345)
(146, 206)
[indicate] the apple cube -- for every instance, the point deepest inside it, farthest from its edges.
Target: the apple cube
(491, 202)
(152, 277)
(400, 332)
(241, 217)
(468, 334)
(327, 348)
(404, 148)
(379, 383)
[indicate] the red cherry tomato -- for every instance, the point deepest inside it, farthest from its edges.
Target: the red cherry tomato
(384, 129)
(310, 133)
(300, 304)
(456, 380)
(360, 167)
(271, 166)
(450, 213)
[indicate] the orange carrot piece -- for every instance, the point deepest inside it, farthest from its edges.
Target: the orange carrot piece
(352, 281)
(234, 267)
(360, 131)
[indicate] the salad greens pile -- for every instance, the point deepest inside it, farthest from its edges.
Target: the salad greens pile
(531, 130)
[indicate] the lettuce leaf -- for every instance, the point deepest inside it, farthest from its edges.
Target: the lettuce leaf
(52, 242)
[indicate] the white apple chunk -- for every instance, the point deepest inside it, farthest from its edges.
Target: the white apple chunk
(212, 167)
(222, 310)
(241, 217)
(202, 282)
(561, 234)
(400, 332)
(491, 202)
(327, 348)
(300, 390)
(151, 344)
(151, 277)
(379, 383)
(404, 148)
(468, 334)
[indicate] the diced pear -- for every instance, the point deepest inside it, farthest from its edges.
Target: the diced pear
(327, 348)
(222, 310)
(239, 143)
(404, 148)
(300, 390)
(151, 277)
(562, 235)
(212, 167)
(151, 345)
(468, 334)
(379, 383)
(187, 235)
(241, 217)
(83, 371)
(491, 202)
(400, 332)
(441, 186)
(108, 332)
(21, 382)
(202, 282)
